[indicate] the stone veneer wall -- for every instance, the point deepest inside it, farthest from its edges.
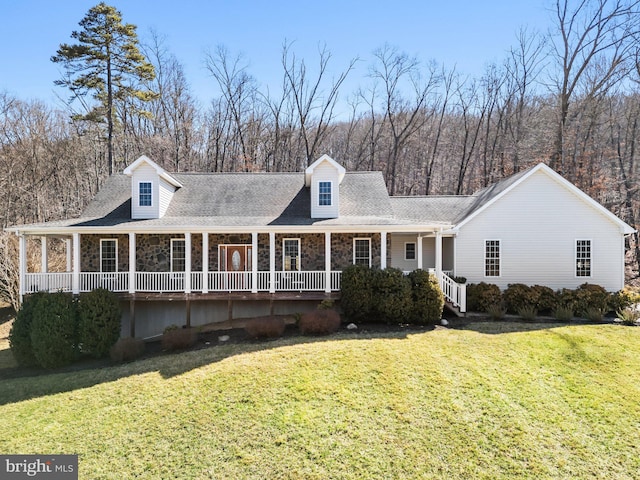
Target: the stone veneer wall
(342, 249)
(90, 252)
(154, 250)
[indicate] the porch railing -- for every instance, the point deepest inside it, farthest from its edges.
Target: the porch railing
(160, 282)
(48, 282)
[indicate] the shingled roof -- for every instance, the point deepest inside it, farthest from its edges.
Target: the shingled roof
(279, 199)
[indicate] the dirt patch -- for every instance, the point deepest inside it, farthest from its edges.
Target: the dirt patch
(6, 320)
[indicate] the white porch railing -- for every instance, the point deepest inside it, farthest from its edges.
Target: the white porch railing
(456, 293)
(229, 281)
(159, 282)
(48, 282)
(114, 281)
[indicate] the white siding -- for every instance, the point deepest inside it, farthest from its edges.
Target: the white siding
(325, 172)
(165, 195)
(144, 173)
(428, 252)
(538, 223)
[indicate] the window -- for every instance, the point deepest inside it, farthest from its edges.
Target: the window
(108, 255)
(410, 251)
(178, 257)
(324, 193)
(492, 258)
(291, 254)
(583, 258)
(144, 194)
(362, 251)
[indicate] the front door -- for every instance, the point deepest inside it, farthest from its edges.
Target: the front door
(235, 260)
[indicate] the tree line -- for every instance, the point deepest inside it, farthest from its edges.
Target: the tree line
(569, 97)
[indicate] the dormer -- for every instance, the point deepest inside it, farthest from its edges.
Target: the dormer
(152, 189)
(324, 177)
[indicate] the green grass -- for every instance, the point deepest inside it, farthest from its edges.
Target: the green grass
(495, 401)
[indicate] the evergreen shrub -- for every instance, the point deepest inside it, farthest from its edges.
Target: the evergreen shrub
(99, 317)
(426, 296)
(20, 334)
(54, 330)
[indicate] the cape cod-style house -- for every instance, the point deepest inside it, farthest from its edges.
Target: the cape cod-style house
(198, 248)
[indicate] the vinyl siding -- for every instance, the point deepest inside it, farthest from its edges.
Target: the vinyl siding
(325, 172)
(144, 173)
(428, 252)
(538, 223)
(165, 196)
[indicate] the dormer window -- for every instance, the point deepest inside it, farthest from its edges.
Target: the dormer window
(324, 193)
(144, 194)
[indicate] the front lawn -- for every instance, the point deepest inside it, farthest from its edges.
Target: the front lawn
(538, 401)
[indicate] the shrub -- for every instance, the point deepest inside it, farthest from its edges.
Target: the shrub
(593, 314)
(392, 296)
(319, 322)
(496, 312)
(54, 330)
(629, 316)
(546, 298)
(356, 292)
(481, 296)
(127, 349)
(99, 318)
(624, 299)
(265, 327)
(528, 313)
(459, 279)
(20, 334)
(564, 314)
(427, 297)
(589, 296)
(175, 338)
(518, 296)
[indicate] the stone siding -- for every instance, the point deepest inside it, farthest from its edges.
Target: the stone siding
(90, 252)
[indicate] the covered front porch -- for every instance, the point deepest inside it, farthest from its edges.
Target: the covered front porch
(212, 262)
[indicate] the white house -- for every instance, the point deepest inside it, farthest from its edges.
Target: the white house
(207, 247)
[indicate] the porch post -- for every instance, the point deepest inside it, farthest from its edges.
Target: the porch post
(327, 262)
(67, 248)
(254, 262)
(76, 264)
(132, 262)
(419, 252)
(22, 259)
(187, 262)
(383, 250)
(272, 262)
(205, 262)
(439, 254)
(43, 248)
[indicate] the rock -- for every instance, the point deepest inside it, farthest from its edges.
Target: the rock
(224, 338)
(444, 322)
(352, 326)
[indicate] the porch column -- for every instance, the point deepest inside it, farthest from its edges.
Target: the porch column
(272, 262)
(205, 262)
(187, 262)
(22, 259)
(439, 254)
(419, 250)
(132, 262)
(75, 285)
(67, 249)
(254, 262)
(43, 248)
(383, 250)
(327, 262)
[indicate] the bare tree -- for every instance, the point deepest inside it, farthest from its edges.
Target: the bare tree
(594, 47)
(314, 107)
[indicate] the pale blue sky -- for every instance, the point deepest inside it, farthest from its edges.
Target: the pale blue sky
(467, 34)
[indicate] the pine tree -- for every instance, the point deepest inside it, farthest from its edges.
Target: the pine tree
(107, 63)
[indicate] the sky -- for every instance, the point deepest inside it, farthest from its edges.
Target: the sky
(466, 34)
